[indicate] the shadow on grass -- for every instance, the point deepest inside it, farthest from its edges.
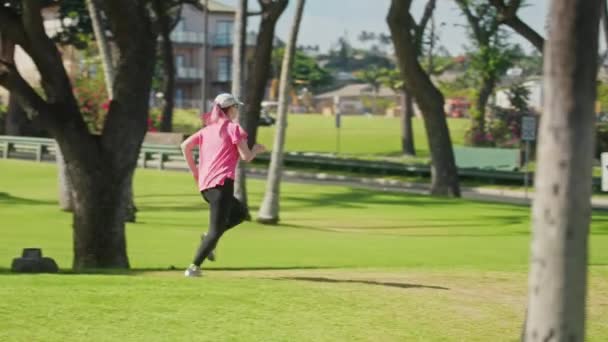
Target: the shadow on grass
(139, 271)
(6, 198)
(365, 282)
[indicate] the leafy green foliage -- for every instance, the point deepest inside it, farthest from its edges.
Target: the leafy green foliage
(601, 144)
(373, 76)
(602, 95)
(519, 96)
(90, 92)
(77, 29)
(305, 71)
(391, 78)
(347, 58)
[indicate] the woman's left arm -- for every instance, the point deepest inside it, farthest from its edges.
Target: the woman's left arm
(187, 147)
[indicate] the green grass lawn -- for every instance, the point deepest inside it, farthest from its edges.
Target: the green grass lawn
(345, 265)
(360, 136)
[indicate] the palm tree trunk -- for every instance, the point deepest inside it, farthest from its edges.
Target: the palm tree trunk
(102, 45)
(238, 65)
(257, 82)
(562, 204)
(65, 189)
(479, 120)
(407, 134)
(269, 210)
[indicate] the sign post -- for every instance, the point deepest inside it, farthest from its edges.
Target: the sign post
(605, 171)
(338, 122)
(528, 134)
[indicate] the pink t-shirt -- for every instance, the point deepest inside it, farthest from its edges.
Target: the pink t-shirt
(218, 152)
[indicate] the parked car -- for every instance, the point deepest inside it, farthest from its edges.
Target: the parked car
(266, 119)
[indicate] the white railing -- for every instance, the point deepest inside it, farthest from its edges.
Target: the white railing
(187, 37)
(189, 73)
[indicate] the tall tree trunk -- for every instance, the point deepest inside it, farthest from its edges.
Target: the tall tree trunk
(238, 66)
(206, 73)
(166, 124)
(269, 210)
(105, 51)
(100, 167)
(604, 19)
(407, 134)
(479, 120)
(258, 79)
(444, 174)
(562, 209)
(100, 202)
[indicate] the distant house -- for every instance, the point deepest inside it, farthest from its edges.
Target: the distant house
(350, 99)
(534, 85)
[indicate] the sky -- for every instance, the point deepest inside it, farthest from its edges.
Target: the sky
(325, 21)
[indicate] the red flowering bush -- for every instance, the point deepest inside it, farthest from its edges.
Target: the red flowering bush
(154, 121)
(93, 101)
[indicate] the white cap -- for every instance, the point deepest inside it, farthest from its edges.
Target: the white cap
(226, 100)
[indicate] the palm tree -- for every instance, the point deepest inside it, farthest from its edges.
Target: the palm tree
(102, 45)
(270, 11)
(562, 205)
(269, 210)
(372, 76)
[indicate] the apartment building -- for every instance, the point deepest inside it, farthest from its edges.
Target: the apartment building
(189, 47)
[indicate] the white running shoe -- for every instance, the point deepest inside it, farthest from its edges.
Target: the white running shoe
(193, 271)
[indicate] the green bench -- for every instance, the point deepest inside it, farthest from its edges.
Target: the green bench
(499, 159)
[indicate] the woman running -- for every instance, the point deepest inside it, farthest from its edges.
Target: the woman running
(221, 141)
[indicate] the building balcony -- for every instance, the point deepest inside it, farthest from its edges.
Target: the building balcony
(188, 37)
(226, 39)
(220, 40)
(189, 73)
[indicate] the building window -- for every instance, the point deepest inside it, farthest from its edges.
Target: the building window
(224, 69)
(179, 27)
(179, 98)
(179, 61)
(223, 35)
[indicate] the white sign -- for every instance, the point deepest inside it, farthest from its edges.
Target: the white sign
(605, 171)
(528, 128)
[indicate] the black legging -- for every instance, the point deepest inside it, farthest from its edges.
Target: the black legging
(225, 212)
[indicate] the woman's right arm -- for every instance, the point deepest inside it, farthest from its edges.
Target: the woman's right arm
(249, 154)
(187, 147)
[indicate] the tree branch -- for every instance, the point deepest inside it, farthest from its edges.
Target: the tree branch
(508, 16)
(45, 55)
(11, 27)
(135, 38)
(472, 19)
(28, 99)
(254, 14)
(421, 27)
